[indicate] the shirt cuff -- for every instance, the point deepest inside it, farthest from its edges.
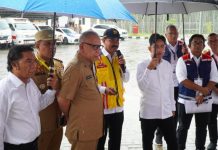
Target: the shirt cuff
(51, 91)
(101, 89)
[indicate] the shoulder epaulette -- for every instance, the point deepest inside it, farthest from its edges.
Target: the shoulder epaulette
(206, 52)
(186, 57)
(206, 57)
(58, 60)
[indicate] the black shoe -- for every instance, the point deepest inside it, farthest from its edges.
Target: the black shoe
(211, 146)
(158, 140)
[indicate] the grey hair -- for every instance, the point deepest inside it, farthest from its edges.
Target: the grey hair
(87, 34)
(170, 26)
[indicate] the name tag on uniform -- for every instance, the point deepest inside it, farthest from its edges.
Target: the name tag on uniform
(89, 77)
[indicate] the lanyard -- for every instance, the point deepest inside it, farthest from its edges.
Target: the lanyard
(42, 62)
(174, 54)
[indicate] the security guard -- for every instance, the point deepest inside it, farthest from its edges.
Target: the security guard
(51, 131)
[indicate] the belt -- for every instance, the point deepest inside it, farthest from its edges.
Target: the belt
(26, 146)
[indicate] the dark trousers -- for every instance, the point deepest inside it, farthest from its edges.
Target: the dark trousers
(149, 126)
(113, 124)
(212, 126)
(159, 134)
(201, 121)
(27, 146)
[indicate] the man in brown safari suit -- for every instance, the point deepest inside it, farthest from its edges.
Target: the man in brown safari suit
(51, 131)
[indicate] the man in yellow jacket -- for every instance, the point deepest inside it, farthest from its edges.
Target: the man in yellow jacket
(111, 72)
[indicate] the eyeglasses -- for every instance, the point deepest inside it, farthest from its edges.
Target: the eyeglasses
(95, 47)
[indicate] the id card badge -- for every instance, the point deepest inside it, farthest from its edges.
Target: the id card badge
(198, 81)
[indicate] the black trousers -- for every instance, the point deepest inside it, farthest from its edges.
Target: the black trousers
(113, 124)
(148, 127)
(159, 134)
(27, 146)
(201, 122)
(212, 126)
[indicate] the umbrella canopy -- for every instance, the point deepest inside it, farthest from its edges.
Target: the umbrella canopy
(150, 7)
(201, 1)
(147, 7)
(102, 9)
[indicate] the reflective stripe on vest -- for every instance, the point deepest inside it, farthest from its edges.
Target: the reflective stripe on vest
(110, 75)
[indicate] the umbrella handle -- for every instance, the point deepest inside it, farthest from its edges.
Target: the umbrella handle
(51, 72)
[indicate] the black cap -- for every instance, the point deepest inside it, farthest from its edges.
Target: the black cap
(152, 39)
(111, 33)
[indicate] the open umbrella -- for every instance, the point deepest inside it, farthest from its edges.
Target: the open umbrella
(148, 7)
(83, 8)
(101, 9)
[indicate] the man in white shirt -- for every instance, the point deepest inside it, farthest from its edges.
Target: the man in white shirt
(157, 106)
(173, 51)
(212, 126)
(197, 74)
(21, 101)
(111, 72)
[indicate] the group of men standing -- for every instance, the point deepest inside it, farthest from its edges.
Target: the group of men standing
(188, 83)
(36, 101)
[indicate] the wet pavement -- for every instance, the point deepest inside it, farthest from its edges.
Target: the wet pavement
(135, 51)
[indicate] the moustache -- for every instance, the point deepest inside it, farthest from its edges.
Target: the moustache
(115, 46)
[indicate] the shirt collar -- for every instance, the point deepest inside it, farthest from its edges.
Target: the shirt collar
(104, 52)
(173, 47)
(194, 57)
(15, 80)
(83, 60)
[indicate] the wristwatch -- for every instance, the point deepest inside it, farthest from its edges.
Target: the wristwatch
(200, 94)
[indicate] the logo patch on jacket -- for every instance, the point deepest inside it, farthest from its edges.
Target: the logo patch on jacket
(101, 65)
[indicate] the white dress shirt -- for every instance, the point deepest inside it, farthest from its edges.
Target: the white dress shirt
(173, 62)
(215, 95)
(156, 86)
(181, 71)
(20, 104)
(125, 78)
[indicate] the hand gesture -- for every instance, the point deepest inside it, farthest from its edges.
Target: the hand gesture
(153, 63)
(184, 48)
(121, 60)
(199, 99)
(110, 91)
(52, 81)
(205, 91)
